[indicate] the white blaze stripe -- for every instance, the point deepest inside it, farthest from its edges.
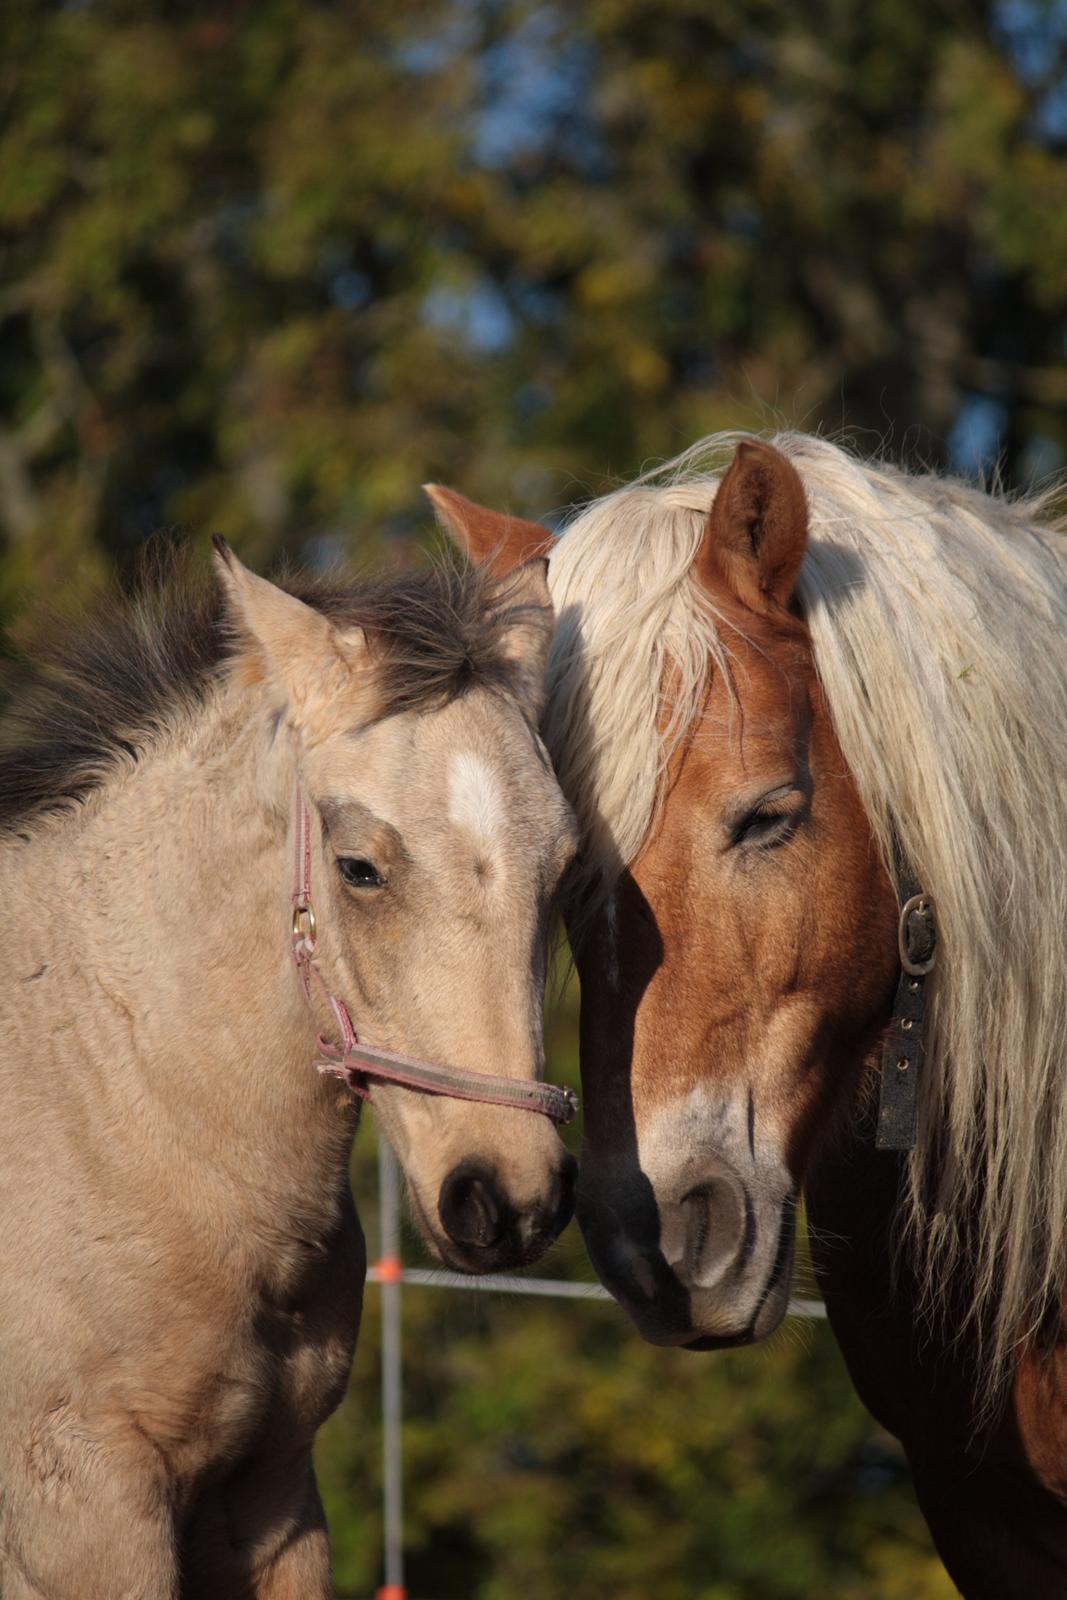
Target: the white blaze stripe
(474, 800)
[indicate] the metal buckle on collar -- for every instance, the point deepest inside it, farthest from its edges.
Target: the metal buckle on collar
(902, 1052)
(917, 936)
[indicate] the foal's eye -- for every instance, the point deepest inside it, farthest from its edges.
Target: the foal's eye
(359, 874)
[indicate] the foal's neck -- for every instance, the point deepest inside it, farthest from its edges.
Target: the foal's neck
(180, 936)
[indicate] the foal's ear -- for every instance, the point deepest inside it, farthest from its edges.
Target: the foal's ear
(500, 541)
(757, 529)
(528, 625)
(287, 642)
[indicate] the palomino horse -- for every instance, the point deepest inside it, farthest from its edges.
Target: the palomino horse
(180, 1260)
(785, 699)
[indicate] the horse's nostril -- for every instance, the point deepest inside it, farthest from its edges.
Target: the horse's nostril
(473, 1211)
(696, 1209)
(719, 1229)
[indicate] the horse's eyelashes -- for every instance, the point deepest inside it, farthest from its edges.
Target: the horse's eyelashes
(765, 827)
(359, 873)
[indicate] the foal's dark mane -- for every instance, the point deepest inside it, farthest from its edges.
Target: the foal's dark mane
(100, 686)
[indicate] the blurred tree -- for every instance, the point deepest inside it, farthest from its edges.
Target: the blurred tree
(550, 1454)
(265, 267)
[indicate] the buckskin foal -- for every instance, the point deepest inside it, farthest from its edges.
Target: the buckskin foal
(181, 1265)
(812, 714)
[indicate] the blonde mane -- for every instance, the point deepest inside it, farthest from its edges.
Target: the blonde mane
(938, 615)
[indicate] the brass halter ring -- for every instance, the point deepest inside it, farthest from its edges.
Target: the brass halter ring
(304, 925)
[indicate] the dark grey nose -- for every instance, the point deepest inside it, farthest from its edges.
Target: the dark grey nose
(472, 1206)
(564, 1211)
(486, 1232)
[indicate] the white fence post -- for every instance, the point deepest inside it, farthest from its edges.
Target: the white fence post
(389, 1274)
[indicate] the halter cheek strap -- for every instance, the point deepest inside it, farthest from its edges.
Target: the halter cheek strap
(902, 1053)
(358, 1064)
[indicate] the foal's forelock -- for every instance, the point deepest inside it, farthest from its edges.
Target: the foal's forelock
(94, 690)
(937, 616)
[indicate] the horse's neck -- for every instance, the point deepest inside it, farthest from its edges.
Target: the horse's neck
(168, 998)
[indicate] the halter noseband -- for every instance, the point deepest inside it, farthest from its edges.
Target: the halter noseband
(358, 1064)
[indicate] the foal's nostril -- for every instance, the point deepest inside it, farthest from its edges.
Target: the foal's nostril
(472, 1209)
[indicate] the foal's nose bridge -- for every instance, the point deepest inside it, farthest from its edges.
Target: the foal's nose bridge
(360, 1065)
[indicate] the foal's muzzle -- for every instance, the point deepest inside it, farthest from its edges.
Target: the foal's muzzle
(484, 1231)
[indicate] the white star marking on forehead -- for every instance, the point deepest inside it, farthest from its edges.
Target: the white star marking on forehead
(474, 798)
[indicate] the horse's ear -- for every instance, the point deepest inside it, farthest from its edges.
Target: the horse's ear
(529, 623)
(500, 541)
(756, 534)
(285, 641)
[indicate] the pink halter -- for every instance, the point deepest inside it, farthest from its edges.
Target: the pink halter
(358, 1064)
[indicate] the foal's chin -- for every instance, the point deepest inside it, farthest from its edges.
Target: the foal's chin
(475, 1261)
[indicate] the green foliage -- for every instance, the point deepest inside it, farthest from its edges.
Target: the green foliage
(267, 268)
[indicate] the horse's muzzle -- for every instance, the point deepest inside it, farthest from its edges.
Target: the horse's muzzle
(706, 1268)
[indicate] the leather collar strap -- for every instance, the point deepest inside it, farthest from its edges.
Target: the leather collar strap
(902, 1053)
(358, 1064)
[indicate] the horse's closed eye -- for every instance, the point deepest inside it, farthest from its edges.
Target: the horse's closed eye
(359, 873)
(765, 828)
